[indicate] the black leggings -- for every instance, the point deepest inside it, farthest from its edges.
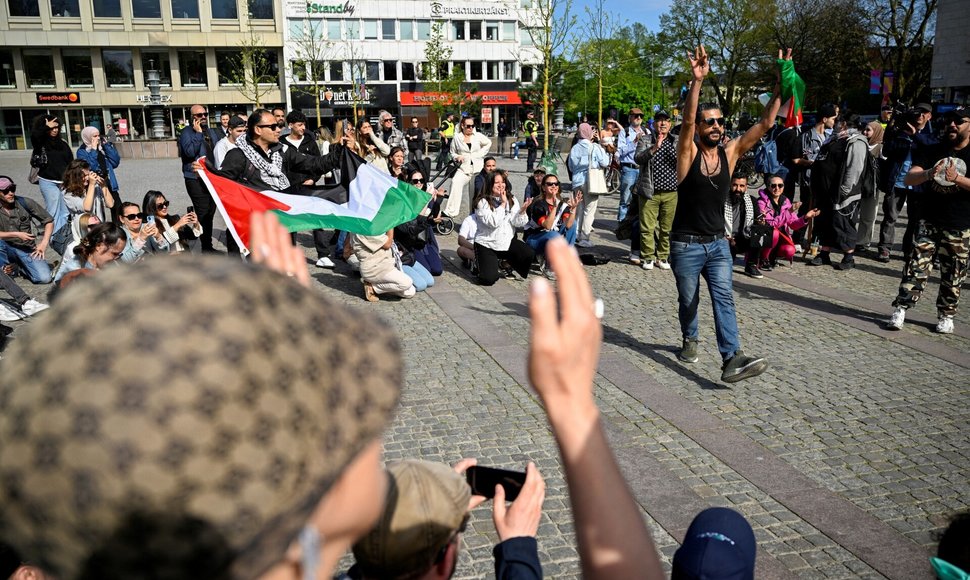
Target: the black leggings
(519, 256)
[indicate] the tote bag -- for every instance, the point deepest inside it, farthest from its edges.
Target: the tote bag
(595, 178)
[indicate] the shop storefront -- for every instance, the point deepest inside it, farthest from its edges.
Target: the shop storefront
(338, 102)
(497, 100)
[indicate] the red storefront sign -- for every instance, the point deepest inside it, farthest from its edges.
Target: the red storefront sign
(493, 98)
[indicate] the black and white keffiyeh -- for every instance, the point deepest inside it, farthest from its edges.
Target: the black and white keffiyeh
(271, 170)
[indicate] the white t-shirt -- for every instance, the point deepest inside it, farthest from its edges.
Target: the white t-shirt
(469, 228)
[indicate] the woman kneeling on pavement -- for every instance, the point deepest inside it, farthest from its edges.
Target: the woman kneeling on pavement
(777, 211)
(499, 213)
(380, 268)
(549, 217)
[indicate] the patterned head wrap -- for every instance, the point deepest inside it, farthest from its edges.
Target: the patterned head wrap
(207, 392)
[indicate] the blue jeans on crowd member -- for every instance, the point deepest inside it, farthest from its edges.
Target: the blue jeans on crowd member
(54, 202)
(37, 271)
(538, 241)
(421, 277)
(712, 261)
(628, 178)
(516, 145)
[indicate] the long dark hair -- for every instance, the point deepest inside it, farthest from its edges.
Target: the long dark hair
(74, 177)
(108, 234)
(487, 188)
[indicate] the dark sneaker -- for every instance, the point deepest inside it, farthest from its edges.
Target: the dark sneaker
(821, 259)
(765, 266)
(753, 271)
(741, 367)
(883, 256)
(688, 353)
(847, 263)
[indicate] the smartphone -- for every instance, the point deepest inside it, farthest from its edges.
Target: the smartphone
(483, 480)
(190, 209)
(150, 219)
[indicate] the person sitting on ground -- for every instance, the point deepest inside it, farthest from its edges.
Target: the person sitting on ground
(417, 236)
(85, 191)
(142, 238)
(20, 251)
(952, 561)
(466, 243)
(23, 305)
(719, 544)
(285, 505)
(80, 226)
(777, 211)
(551, 216)
(740, 209)
(489, 166)
(102, 246)
(379, 270)
(533, 187)
(181, 232)
(427, 508)
(499, 213)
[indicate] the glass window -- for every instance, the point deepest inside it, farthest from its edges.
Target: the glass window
(118, 69)
(528, 74)
(146, 9)
(336, 71)
(390, 70)
(273, 60)
(408, 72)
(228, 67)
(373, 70)
(491, 31)
(298, 70)
(65, 8)
(526, 37)
(424, 29)
(39, 68)
(370, 30)
(107, 8)
(162, 63)
(77, 67)
(353, 30)
(476, 70)
(318, 70)
(525, 3)
(475, 30)
(508, 31)
(491, 70)
(223, 9)
(192, 68)
(407, 30)
(24, 8)
(508, 70)
(297, 29)
(333, 29)
(261, 9)
(387, 30)
(185, 9)
(7, 76)
(458, 30)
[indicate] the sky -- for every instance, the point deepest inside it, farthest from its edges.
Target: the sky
(647, 12)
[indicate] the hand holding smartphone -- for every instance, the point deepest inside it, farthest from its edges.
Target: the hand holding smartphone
(483, 480)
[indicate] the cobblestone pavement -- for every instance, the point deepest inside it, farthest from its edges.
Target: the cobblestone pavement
(847, 455)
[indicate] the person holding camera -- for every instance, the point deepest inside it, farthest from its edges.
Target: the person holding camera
(85, 191)
(102, 157)
(197, 141)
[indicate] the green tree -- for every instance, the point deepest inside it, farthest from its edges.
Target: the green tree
(548, 24)
(253, 71)
(905, 31)
(596, 47)
(434, 70)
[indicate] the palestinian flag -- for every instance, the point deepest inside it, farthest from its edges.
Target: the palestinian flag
(792, 93)
(374, 202)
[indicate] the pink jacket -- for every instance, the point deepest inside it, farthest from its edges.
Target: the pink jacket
(786, 220)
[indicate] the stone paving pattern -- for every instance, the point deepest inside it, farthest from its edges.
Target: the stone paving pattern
(880, 424)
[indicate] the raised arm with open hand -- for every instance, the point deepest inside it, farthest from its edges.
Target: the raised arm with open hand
(564, 350)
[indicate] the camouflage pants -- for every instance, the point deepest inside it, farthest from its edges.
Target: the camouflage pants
(953, 249)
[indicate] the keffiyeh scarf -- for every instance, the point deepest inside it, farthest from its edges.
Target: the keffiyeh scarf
(271, 170)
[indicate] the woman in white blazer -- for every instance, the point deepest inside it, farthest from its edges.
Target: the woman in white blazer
(469, 148)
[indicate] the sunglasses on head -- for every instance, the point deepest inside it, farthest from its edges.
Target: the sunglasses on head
(713, 120)
(134, 216)
(163, 205)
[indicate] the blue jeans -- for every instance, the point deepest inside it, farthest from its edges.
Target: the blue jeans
(538, 241)
(54, 202)
(628, 178)
(37, 271)
(713, 262)
(515, 147)
(420, 276)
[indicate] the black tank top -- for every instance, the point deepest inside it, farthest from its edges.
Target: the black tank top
(700, 200)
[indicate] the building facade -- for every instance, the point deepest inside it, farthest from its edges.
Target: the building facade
(371, 54)
(88, 62)
(950, 78)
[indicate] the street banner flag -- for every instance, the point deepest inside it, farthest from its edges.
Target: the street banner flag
(368, 202)
(792, 93)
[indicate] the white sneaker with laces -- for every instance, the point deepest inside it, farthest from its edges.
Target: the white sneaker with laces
(663, 264)
(8, 314)
(945, 325)
(325, 262)
(32, 307)
(897, 320)
(648, 265)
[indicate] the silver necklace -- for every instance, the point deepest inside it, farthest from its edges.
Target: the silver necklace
(707, 169)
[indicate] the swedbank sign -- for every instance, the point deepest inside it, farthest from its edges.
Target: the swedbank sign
(322, 8)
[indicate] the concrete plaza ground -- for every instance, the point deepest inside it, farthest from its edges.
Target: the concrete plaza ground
(847, 456)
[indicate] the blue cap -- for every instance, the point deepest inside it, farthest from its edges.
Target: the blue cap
(719, 545)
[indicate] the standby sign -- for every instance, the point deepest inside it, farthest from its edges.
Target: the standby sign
(320, 8)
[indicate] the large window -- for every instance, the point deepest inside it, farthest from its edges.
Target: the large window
(525, 39)
(353, 29)
(370, 30)
(318, 70)
(261, 9)
(160, 60)
(297, 69)
(387, 30)
(508, 31)
(336, 71)
(408, 72)
(491, 70)
(7, 77)
(407, 30)
(65, 8)
(24, 7)
(458, 30)
(390, 70)
(192, 68)
(491, 31)
(118, 69)
(333, 30)
(77, 67)
(424, 29)
(508, 70)
(475, 30)
(146, 9)
(39, 69)
(373, 70)
(228, 67)
(528, 74)
(107, 8)
(476, 70)
(272, 64)
(223, 9)
(190, 9)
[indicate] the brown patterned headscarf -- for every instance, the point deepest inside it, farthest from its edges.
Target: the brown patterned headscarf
(203, 399)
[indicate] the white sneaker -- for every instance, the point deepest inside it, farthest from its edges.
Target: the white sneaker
(898, 318)
(945, 325)
(647, 265)
(325, 262)
(32, 307)
(635, 259)
(8, 314)
(663, 264)
(798, 249)
(584, 244)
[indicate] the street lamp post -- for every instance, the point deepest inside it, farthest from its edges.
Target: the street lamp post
(157, 112)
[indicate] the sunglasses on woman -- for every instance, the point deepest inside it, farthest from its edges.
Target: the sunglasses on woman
(418, 180)
(134, 216)
(163, 205)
